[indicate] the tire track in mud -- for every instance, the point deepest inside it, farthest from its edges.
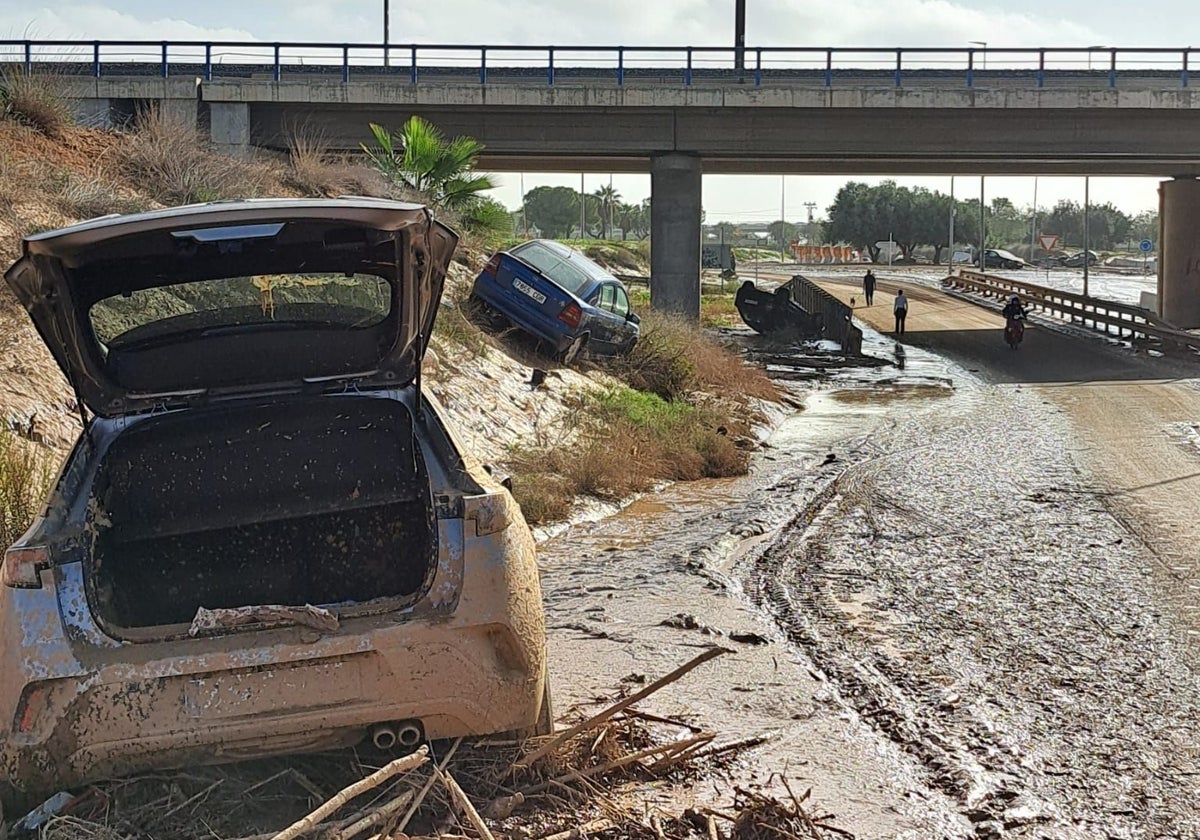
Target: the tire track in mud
(1095, 741)
(784, 581)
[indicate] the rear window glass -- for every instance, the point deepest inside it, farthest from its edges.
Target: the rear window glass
(314, 301)
(570, 270)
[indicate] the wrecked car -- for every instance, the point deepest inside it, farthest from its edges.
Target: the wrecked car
(774, 311)
(266, 538)
(560, 297)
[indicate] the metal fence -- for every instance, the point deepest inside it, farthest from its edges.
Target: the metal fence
(683, 65)
(1094, 313)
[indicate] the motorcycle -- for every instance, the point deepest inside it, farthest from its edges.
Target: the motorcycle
(1014, 331)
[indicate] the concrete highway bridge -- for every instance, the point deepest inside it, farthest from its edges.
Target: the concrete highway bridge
(677, 112)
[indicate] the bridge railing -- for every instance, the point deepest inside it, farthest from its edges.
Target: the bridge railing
(1098, 314)
(619, 65)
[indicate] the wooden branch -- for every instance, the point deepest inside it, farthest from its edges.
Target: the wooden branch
(598, 719)
(617, 763)
(460, 797)
(376, 817)
(388, 771)
(412, 809)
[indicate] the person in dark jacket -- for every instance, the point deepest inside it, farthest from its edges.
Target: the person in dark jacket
(869, 287)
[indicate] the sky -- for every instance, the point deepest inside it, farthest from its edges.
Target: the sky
(910, 23)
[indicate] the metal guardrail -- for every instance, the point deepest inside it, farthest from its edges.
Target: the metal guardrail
(211, 59)
(837, 316)
(1075, 308)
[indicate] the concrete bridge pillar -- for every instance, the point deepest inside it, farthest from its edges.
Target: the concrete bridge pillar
(230, 127)
(675, 234)
(1179, 252)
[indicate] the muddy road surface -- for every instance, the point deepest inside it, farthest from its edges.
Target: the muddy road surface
(977, 618)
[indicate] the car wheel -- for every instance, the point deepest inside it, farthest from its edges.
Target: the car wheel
(574, 350)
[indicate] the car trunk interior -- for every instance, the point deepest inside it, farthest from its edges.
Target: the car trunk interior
(322, 501)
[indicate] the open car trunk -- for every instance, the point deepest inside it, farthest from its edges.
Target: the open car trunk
(320, 501)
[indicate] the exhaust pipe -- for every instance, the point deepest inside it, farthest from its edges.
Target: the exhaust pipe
(383, 736)
(409, 733)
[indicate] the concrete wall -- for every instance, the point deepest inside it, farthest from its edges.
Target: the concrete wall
(675, 234)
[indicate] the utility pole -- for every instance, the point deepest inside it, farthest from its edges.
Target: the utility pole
(950, 241)
(387, 28)
(582, 206)
(1033, 221)
(1087, 245)
(982, 229)
(739, 36)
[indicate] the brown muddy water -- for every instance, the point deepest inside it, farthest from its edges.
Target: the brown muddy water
(934, 615)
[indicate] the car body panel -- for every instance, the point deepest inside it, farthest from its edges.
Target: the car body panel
(532, 298)
(63, 273)
(80, 701)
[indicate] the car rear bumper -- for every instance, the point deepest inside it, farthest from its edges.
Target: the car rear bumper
(540, 326)
(74, 715)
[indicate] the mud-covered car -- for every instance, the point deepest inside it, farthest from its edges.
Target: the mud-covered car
(266, 538)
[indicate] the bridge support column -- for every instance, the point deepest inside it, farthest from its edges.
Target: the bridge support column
(675, 201)
(1179, 252)
(93, 113)
(230, 127)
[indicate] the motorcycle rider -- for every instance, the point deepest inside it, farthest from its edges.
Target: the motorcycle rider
(1013, 310)
(1014, 315)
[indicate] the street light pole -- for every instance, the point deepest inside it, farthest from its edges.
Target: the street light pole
(1087, 252)
(950, 244)
(1033, 221)
(984, 57)
(982, 228)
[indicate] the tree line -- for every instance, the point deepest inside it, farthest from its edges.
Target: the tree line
(555, 213)
(864, 215)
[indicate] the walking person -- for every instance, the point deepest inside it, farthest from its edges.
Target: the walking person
(869, 287)
(900, 310)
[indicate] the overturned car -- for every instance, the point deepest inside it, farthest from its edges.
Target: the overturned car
(266, 539)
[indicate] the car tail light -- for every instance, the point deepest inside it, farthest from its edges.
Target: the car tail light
(493, 265)
(22, 566)
(571, 315)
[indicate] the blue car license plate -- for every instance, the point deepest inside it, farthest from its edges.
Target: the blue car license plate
(525, 289)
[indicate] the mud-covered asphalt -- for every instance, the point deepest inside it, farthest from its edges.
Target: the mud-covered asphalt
(971, 630)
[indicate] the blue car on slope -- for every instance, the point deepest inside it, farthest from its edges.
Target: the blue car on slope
(560, 297)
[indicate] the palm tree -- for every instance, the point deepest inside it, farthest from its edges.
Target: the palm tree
(609, 198)
(420, 158)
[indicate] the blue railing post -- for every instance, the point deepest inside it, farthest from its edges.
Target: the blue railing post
(29, 58)
(1183, 73)
(620, 66)
(898, 54)
(687, 74)
(483, 65)
(1112, 69)
(828, 68)
(758, 68)
(276, 71)
(164, 59)
(971, 68)
(345, 64)
(208, 62)
(95, 59)
(412, 68)
(1041, 74)
(550, 68)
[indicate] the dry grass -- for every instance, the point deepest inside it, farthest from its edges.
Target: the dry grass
(314, 171)
(172, 162)
(86, 197)
(35, 101)
(620, 442)
(25, 476)
(676, 357)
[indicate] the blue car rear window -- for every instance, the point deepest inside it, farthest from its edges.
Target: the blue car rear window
(569, 269)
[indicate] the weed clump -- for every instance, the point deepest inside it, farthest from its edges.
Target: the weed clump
(175, 164)
(35, 101)
(621, 441)
(25, 475)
